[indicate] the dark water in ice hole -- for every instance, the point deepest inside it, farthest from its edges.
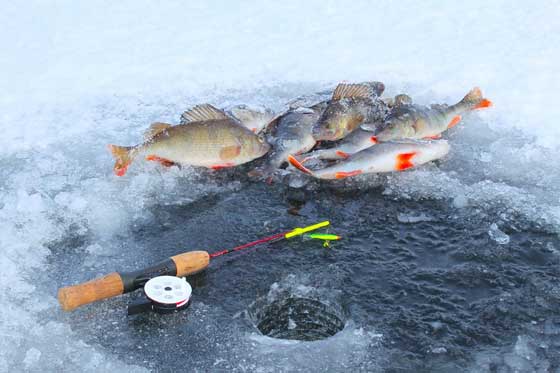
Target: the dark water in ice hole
(442, 283)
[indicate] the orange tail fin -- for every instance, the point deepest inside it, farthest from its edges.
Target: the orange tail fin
(475, 100)
(294, 162)
(483, 104)
(403, 161)
(123, 157)
(343, 175)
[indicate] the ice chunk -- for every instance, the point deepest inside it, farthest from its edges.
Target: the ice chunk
(32, 357)
(297, 181)
(29, 203)
(460, 201)
(485, 157)
(97, 249)
(439, 350)
(497, 235)
(411, 218)
(291, 324)
(436, 325)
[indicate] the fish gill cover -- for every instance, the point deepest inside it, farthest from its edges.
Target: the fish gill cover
(434, 294)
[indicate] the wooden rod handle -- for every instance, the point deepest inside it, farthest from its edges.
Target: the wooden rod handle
(104, 287)
(191, 262)
(113, 284)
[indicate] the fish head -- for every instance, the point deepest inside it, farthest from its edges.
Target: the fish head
(397, 128)
(259, 146)
(337, 121)
(250, 146)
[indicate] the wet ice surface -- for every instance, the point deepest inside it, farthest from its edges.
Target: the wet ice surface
(423, 276)
(417, 293)
(429, 295)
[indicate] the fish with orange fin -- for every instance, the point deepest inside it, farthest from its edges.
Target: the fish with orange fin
(350, 106)
(418, 122)
(211, 140)
(358, 140)
(384, 157)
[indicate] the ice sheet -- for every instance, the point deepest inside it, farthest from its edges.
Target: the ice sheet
(77, 76)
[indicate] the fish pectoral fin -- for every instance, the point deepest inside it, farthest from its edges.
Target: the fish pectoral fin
(306, 159)
(434, 137)
(363, 90)
(342, 154)
(344, 175)
(154, 129)
(230, 152)
(202, 113)
(453, 122)
(294, 162)
(164, 162)
(404, 161)
(222, 165)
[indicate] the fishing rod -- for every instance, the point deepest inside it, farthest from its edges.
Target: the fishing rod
(162, 285)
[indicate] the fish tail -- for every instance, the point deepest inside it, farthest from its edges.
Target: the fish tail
(474, 100)
(297, 164)
(123, 157)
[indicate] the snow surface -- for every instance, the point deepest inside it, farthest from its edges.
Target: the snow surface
(79, 75)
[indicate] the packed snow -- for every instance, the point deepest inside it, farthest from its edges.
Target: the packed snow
(80, 75)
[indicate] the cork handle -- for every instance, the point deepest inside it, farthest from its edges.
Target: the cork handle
(191, 262)
(75, 296)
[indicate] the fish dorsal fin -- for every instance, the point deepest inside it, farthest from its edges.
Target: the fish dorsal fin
(154, 129)
(363, 90)
(344, 90)
(201, 113)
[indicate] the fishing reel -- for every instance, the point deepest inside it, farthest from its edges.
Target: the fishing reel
(163, 294)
